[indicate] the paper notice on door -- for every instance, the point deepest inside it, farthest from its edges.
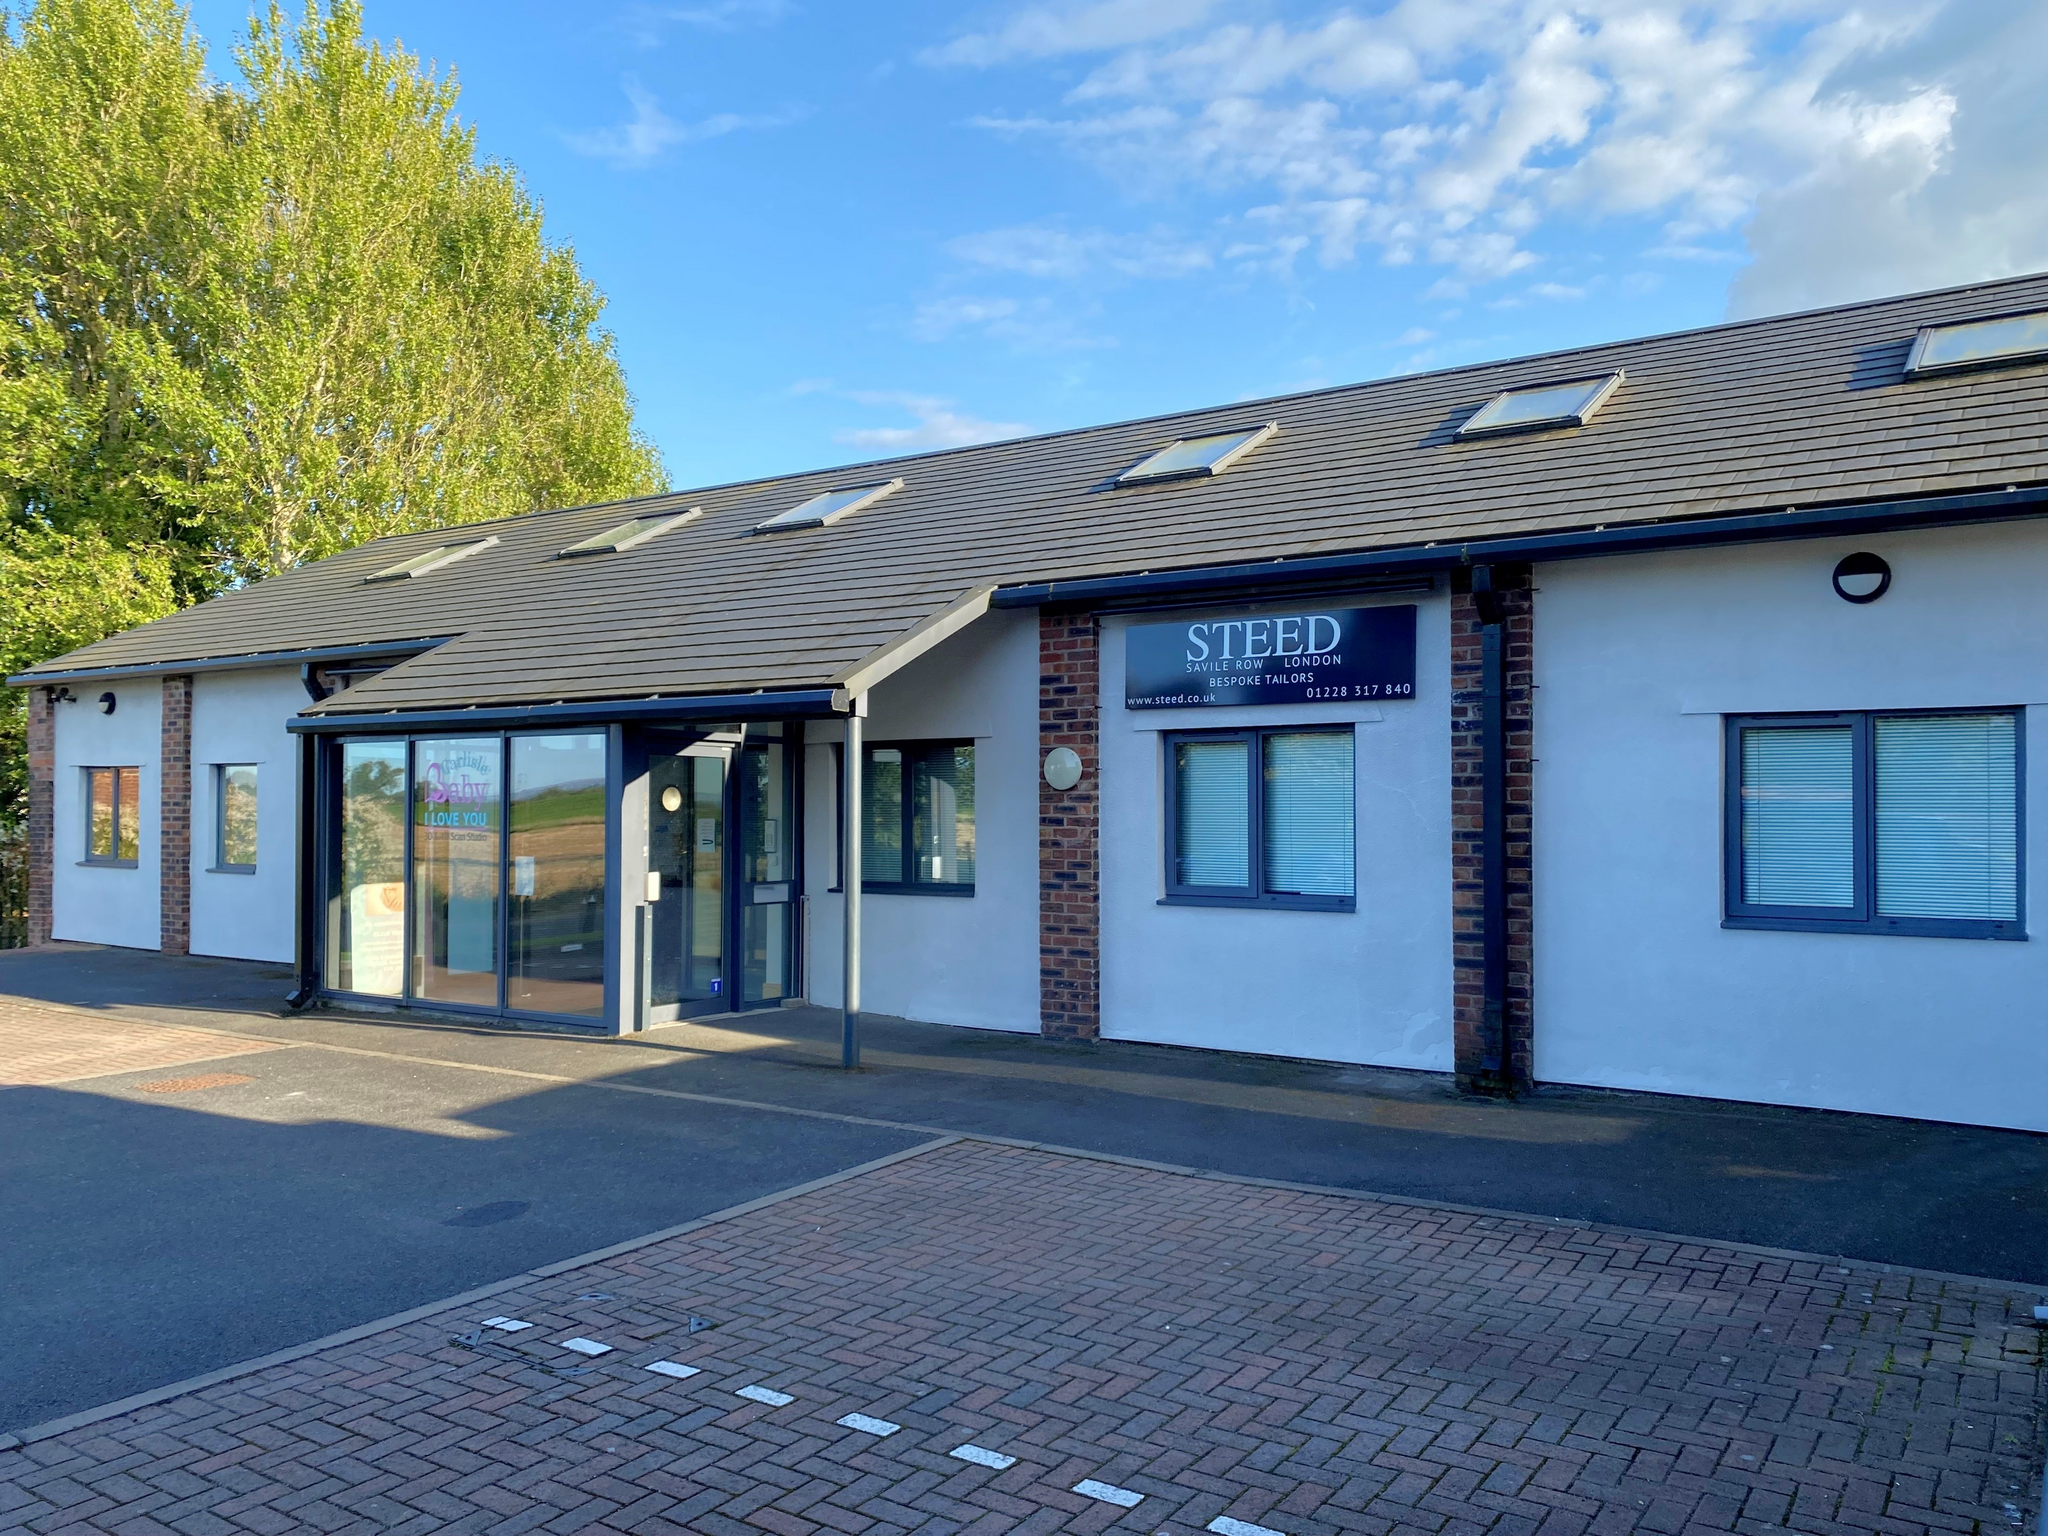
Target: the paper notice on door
(376, 924)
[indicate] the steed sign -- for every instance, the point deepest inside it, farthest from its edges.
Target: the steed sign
(1279, 658)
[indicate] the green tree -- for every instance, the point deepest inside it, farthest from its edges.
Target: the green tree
(247, 325)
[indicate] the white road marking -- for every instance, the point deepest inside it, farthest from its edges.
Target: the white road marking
(587, 1346)
(982, 1457)
(670, 1368)
(766, 1395)
(505, 1324)
(866, 1425)
(1223, 1525)
(1089, 1488)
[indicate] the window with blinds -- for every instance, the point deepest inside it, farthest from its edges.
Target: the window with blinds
(1310, 846)
(1891, 823)
(1212, 821)
(1947, 808)
(1798, 816)
(1261, 818)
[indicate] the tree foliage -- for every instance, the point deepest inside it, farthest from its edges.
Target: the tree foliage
(249, 324)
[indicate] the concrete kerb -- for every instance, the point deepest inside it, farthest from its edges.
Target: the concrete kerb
(163, 1394)
(939, 1137)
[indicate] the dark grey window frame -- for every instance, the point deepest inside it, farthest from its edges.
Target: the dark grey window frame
(221, 864)
(327, 797)
(1863, 916)
(112, 861)
(898, 887)
(1255, 894)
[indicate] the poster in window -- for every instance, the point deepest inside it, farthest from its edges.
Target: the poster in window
(1328, 655)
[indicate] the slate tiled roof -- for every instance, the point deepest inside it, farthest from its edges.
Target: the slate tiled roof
(1802, 410)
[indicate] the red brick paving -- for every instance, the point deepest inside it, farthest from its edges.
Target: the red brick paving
(1312, 1363)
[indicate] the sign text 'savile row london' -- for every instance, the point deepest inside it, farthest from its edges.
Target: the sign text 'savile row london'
(1336, 654)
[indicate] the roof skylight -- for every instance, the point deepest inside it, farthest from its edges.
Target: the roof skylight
(635, 530)
(1978, 343)
(432, 559)
(829, 507)
(1569, 404)
(1187, 457)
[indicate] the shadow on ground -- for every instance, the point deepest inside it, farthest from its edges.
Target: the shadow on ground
(148, 1240)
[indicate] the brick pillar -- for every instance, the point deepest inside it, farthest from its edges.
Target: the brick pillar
(1069, 859)
(1485, 1065)
(42, 812)
(174, 818)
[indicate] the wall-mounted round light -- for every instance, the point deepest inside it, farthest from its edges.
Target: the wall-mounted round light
(671, 799)
(1063, 768)
(107, 702)
(1862, 577)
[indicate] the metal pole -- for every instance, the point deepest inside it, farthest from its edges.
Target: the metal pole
(850, 881)
(849, 832)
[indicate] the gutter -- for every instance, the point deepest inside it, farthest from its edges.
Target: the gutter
(302, 656)
(1631, 538)
(791, 704)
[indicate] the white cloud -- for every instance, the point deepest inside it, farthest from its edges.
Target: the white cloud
(647, 24)
(1043, 31)
(652, 132)
(1046, 250)
(1851, 151)
(936, 424)
(1035, 325)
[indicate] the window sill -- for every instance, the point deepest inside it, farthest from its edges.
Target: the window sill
(1267, 903)
(109, 864)
(231, 869)
(1886, 927)
(876, 888)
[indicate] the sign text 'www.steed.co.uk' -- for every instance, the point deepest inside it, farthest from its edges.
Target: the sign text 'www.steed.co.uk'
(1334, 655)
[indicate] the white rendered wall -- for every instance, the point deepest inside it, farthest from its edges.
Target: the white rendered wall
(239, 717)
(1637, 984)
(95, 904)
(1371, 986)
(952, 960)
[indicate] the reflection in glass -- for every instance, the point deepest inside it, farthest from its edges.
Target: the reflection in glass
(366, 924)
(236, 800)
(942, 816)
(113, 830)
(556, 917)
(881, 847)
(455, 853)
(686, 848)
(767, 864)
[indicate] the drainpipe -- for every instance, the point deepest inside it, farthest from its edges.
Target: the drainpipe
(310, 909)
(849, 833)
(1493, 836)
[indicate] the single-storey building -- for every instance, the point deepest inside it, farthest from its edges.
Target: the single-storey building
(1652, 715)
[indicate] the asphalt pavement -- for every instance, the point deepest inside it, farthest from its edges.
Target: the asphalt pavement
(382, 1161)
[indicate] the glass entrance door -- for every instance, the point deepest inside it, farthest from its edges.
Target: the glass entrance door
(767, 888)
(722, 843)
(686, 847)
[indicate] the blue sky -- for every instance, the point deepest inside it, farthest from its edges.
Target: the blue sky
(837, 232)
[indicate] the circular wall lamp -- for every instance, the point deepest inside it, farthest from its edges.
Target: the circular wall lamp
(1062, 768)
(671, 799)
(1862, 577)
(107, 702)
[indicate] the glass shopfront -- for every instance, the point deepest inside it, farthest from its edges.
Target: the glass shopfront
(555, 954)
(469, 872)
(472, 871)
